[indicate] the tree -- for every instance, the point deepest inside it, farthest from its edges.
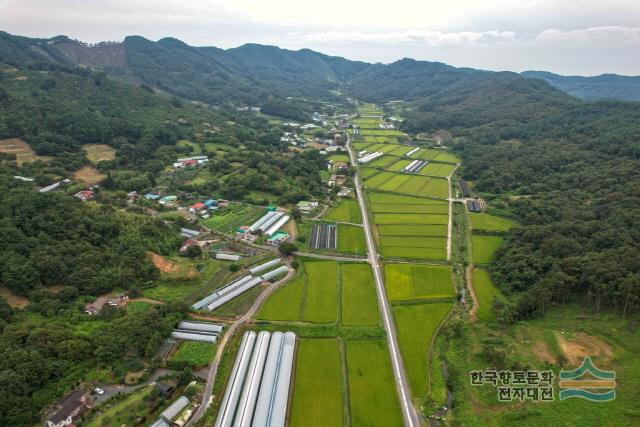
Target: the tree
(287, 248)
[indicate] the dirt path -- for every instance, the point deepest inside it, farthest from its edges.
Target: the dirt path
(474, 308)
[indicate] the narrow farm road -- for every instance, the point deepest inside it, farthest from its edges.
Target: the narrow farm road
(410, 415)
(213, 369)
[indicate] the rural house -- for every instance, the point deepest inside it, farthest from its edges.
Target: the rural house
(68, 408)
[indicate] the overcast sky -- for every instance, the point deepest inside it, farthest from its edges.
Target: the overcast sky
(580, 37)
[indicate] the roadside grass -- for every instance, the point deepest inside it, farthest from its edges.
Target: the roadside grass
(488, 222)
(359, 300)
(320, 305)
(317, 390)
(484, 248)
(418, 281)
(372, 392)
(486, 291)
(416, 325)
(351, 239)
(195, 354)
(284, 304)
(347, 210)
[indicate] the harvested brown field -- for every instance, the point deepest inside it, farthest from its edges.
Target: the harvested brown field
(22, 150)
(88, 175)
(98, 152)
(15, 301)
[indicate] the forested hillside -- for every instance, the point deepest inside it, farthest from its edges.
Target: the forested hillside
(602, 87)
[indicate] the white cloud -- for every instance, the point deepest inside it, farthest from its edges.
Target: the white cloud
(428, 38)
(612, 36)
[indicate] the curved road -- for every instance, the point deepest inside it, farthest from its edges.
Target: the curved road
(411, 417)
(213, 370)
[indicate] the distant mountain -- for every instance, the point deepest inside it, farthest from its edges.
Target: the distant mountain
(603, 87)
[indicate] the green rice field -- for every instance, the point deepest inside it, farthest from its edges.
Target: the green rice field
(410, 209)
(382, 198)
(373, 400)
(412, 230)
(418, 281)
(416, 325)
(487, 222)
(414, 218)
(320, 304)
(351, 239)
(409, 184)
(486, 292)
(285, 303)
(359, 301)
(437, 169)
(347, 210)
(317, 390)
(484, 248)
(414, 253)
(436, 155)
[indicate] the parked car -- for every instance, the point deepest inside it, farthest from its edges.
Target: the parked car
(98, 390)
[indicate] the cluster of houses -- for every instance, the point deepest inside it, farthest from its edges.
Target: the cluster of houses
(190, 162)
(206, 207)
(249, 109)
(269, 225)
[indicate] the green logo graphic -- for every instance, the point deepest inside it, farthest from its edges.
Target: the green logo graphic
(598, 387)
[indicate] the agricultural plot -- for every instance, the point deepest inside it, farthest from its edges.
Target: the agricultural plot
(227, 220)
(437, 155)
(418, 281)
(320, 304)
(372, 394)
(99, 152)
(414, 218)
(368, 172)
(409, 184)
(381, 139)
(435, 252)
(441, 208)
(22, 150)
(487, 222)
(317, 390)
(381, 198)
(195, 354)
(381, 132)
(484, 248)
(347, 210)
(359, 301)
(88, 175)
(339, 158)
(438, 169)
(381, 162)
(285, 303)
(486, 292)
(398, 165)
(416, 325)
(359, 146)
(401, 150)
(323, 236)
(412, 230)
(351, 239)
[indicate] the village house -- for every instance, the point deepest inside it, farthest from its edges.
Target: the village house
(306, 207)
(68, 408)
(84, 195)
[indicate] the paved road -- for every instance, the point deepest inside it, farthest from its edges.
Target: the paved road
(111, 390)
(411, 417)
(213, 369)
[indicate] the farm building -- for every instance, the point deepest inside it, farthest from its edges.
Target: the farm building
(265, 266)
(49, 187)
(69, 407)
(283, 269)
(277, 238)
(269, 223)
(197, 331)
(84, 195)
(189, 243)
(473, 206)
(277, 225)
(258, 391)
(152, 196)
(186, 232)
(323, 236)
(243, 233)
(174, 409)
(167, 199)
(23, 178)
(306, 206)
(228, 257)
(412, 152)
(196, 207)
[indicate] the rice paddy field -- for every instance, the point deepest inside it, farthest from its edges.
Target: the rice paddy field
(317, 390)
(373, 399)
(486, 292)
(351, 239)
(359, 301)
(405, 282)
(436, 155)
(347, 210)
(321, 291)
(416, 325)
(484, 248)
(417, 185)
(195, 354)
(487, 222)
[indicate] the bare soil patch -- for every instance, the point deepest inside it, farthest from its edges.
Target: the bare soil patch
(99, 152)
(21, 149)
(541, 351)
(167, 266)
(55, 289)
(577, 346)
(88, 175)
(15, 301)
